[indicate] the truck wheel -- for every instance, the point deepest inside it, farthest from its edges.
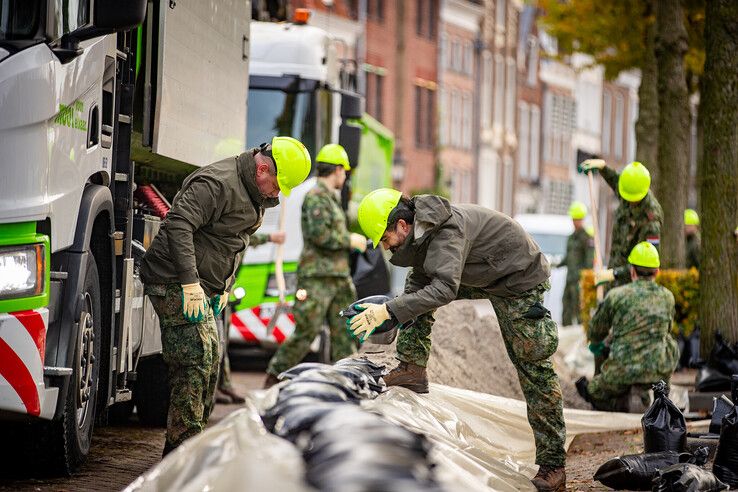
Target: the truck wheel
(64, 444)
(120, 413)
(151, 391)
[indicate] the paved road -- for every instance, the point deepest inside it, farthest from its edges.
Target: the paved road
(118, 454)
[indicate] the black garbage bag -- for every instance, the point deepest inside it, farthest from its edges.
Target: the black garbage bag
(354, 477)
(369, 273)
(720, 408)
(664, 427)
(332, 442)
(320, 391)
(363, 364)
(725, 466)
(689, 349)
(637, 471)
(335, 378)
(723, 357)
(299, 418)
(711, 380)
(270, 416)
(348, 419)
(687, 477)
(295, 371)
(359, 376)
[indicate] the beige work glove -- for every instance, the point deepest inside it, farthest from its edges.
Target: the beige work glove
(218, 303)
(194, 302)
(358, 242)
(364, 323)
(604, 276)
(591, 164)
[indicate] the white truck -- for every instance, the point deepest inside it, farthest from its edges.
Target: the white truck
(86, 94)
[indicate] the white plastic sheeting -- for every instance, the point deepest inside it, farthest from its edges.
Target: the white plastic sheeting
(482, 443)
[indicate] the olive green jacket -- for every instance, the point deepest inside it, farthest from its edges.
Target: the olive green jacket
(454, 245)
(207, 229)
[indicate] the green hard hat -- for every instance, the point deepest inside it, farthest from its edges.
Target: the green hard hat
(577, 210)
(334, 154)
(691, 217)
(374, 211)
(644, 254)
(634, 182)
(293, 162)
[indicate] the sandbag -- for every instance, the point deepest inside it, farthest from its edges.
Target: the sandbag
(723, 357)
(720, 408)
(664, 427)
(725, 466)
(711, 380)
(295, 371)
(270, 416)
(299, 418)
(636, 471)
(320, 391)
(689, 349)
(363, 364)
(686, 477)
(357, 390)
(359, 376)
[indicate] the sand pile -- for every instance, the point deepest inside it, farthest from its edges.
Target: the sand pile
(468, 352)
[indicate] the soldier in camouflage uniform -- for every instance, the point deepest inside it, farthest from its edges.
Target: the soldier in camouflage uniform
(191, 264)
(579, 248)
(638, 216)
(692, 238)
(470, 252)
(636, 319)
(324, 283)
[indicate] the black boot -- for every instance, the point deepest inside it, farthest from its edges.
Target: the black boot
(582, 384)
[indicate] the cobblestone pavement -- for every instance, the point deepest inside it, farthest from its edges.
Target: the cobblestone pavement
(119, 454)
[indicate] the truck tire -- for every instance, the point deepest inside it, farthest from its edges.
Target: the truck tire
(120, 413)
(151, 391)
(64, 444)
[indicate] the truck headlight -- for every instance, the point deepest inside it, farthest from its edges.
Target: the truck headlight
(22, 271)
(290, 283)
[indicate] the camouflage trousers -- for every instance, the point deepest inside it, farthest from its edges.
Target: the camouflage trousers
(192, 355)
(326, 296)
(616, 378)
(531, 337)
(570, 301)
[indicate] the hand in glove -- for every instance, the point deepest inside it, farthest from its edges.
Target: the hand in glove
(597, 348)
(218, 303)
(364, 323)
(358, 242)
(591, 164)
(194, 303)
(604, 276)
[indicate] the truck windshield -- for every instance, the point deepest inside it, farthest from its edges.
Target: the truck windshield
(275, 112)
(19, 19)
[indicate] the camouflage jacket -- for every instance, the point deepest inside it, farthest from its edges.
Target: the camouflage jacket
(258, 239)
(693, 242)
(637, 317)
(325, 252)
(579, 253)
(632, 224)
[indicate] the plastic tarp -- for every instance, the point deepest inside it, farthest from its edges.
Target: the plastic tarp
(481, 443)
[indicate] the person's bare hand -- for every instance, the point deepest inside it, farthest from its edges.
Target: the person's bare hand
(277, 237)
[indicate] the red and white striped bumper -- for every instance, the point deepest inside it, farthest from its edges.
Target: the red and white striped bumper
(22, 349)
(250, 325)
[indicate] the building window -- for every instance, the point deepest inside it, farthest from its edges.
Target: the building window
(466, 122)
(523, 139)
(425, 108)
(375, 10)
(468, 58)
(606, 121)
(509, 186)
(486, 109)
(444, 51)
(535, 141)
(442, 117)
(374, 94)
(500, 14)
(510, 95)
(426, 16)
(533, 62)
(619, 122)
(455, 119)
(456, 58)
(499, 90)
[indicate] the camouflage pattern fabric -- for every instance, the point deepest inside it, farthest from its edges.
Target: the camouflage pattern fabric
(579, 253)
(326, 296)
(258, 239)
(632, 224)
(531, 337)
(191, 352)
(693, 244)
(637, 319)
(327, 245)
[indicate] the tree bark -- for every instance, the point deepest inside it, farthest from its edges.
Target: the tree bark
(647, 126)
(674, 119)
(719, 261)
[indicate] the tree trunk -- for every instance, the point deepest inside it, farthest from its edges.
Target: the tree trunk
(647, 126)
(674, 119)
(719, 261)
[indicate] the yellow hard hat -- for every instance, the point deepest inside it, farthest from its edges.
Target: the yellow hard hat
(644, 254)
(691, 217)
(293, 162)
(334, 154)
(577, 210)
(634, 182)
(374, 211)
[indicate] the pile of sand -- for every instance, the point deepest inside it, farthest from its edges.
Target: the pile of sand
(468, 352)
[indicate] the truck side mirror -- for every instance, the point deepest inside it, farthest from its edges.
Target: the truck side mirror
(349, 136)
(114, 15)
(351, 107)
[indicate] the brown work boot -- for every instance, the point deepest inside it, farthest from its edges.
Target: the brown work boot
(410, 376)
(234, 396)
(221, 398)
(270, 381)
(550, 479)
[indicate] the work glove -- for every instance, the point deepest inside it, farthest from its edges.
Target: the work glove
(597, 348)
(604, 276)
(218, 303)
(591, 165)
(358, 242)
(194, 302)
(363, 324)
